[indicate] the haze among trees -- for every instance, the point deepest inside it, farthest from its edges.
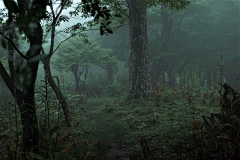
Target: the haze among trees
(77, 75)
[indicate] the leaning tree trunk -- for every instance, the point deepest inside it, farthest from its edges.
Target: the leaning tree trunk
(139, 76)
(57, 91)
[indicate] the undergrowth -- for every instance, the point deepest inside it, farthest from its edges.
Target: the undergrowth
(187, 121)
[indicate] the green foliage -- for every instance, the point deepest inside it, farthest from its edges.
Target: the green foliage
(218, 134)
(74, 53)
(172, 4)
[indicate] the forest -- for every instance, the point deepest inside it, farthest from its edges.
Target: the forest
(119, 80)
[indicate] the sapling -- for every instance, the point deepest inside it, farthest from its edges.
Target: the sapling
(187, 77)
(166, 78)
(221, 77)
(177, 80)
(202, 77)
(182, 78)
(211, 79)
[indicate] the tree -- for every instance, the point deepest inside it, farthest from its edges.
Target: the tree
(139, 71)
(26, 15)
(75, 55)
(139, 76)
(106, 61)
(89, 9)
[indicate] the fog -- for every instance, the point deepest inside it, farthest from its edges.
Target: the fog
(142, 79)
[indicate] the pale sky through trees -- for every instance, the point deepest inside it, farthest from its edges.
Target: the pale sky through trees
(71, 22)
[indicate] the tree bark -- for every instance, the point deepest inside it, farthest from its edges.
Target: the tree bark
(57, 91)
(28, 110)
(111, 70)
(25, 98)
(139, 76)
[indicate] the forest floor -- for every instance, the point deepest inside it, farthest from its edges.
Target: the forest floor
(120, 126)
(136, 130)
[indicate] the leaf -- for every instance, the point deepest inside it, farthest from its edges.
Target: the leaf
(60, 147)
(235, 100)
(86, 144)
(209, 123)
(64, 136)
(222, 138)
(199, 155)
(216, 85)
(36, 156)
(197, 124)
(93, 154)
(211, 144)
(71, 145)
(64, 156)
(54, 129)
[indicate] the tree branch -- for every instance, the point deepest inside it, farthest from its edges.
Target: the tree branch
(14, 46)
(119, 10)
(62, 31)
(8, 81)
(53, 26)
(64, 41)
(100, 65)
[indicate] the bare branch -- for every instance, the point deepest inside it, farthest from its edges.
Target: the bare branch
(65, 40)
(77, 34)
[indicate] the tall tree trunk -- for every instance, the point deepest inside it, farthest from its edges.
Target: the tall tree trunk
(57, 91)
(76, 77)
(28, 110)
(166, 29)
(25, 99)
(139, 76)
(77, 80)
(167, 23)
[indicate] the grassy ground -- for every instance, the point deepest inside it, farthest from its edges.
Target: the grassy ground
(126, 130)
(120, 125)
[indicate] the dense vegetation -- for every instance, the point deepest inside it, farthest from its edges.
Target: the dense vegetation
(134, 79)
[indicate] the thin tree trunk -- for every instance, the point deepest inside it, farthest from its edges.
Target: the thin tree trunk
(139, 76)
(57, 91)
(46, 63)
